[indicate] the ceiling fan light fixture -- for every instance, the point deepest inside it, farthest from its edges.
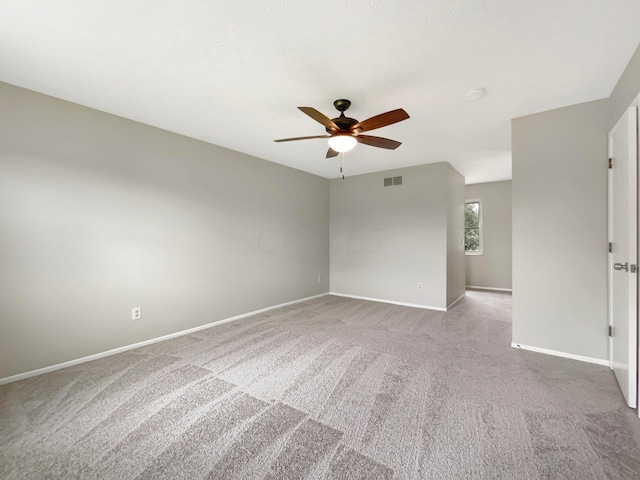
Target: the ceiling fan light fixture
(342, 143)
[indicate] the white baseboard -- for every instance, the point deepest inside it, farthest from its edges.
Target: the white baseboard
(414, 305)
(456, 301)
(556, 353)
(77, 361)
(490, 289)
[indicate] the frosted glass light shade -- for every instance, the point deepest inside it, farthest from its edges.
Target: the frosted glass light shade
(342, 143)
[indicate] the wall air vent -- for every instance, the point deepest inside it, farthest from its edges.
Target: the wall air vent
(392, 181)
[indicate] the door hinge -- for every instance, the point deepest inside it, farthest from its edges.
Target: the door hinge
(610, 163)
(610, 247)
(610, 330)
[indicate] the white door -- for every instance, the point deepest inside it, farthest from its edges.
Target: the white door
(623, 224)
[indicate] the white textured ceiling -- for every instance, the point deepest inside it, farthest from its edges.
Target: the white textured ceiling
(233, 72)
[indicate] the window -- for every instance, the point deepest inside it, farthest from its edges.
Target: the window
(472, 227)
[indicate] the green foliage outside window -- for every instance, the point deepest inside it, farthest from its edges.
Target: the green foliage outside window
(472, 227)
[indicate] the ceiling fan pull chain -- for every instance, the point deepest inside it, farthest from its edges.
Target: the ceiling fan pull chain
(342, 164)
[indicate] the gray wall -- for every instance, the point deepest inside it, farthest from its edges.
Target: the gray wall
(99, 214)
(386, 240)
(492, 269)
(559, 246)
(627, 88)
(560, 229)
(455, 236)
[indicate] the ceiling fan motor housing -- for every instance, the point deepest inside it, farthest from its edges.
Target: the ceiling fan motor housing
(344, 123)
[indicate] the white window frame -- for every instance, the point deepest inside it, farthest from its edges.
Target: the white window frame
(480, 236)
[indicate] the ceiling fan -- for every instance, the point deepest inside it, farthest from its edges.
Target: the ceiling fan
(345, 132)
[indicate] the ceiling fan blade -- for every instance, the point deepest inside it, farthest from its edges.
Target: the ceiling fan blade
(378, 142)
(301, 138)
(319, 117)
(382, 120)
(332, 153)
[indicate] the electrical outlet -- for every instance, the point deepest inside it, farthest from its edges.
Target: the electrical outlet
(420, 286)
(319, 278)
(136, 313)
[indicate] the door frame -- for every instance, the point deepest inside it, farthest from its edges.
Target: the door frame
(636, 103)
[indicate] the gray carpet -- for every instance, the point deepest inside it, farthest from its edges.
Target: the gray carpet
(331, 388)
